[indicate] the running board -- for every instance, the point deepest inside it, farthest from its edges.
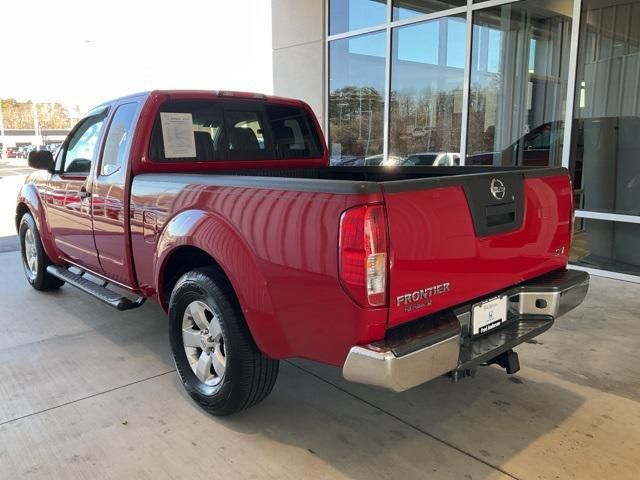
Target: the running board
(98, 291)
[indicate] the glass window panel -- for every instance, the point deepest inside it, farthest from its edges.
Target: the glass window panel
(118, 141)
(519, 72)
(605, 155)
(82, 146)
(207, 131)
(293, 132)
(427, 73)
(356, 99)
(348, 15)
(606, 245)
(456, 32)
(245, 135)
(409, 8)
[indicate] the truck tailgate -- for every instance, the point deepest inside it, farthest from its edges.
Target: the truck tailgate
(454, 239)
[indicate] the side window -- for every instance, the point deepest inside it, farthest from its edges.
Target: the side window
(246, 135)
(118, 140)
(81, 148)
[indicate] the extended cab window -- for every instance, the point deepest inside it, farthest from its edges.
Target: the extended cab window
(81, 148)
(232, 130)
(118, 141)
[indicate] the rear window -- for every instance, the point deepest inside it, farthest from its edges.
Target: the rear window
(215, 131)
(294, 134)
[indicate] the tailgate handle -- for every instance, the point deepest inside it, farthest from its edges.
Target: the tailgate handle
(501, 214)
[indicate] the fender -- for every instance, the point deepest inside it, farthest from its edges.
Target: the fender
(215, 236)
(30, 196)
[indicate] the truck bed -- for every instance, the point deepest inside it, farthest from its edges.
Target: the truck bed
(445, 231)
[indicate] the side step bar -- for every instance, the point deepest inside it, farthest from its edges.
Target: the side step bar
(97, 291)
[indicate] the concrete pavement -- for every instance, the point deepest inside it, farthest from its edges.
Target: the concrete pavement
(86, 392)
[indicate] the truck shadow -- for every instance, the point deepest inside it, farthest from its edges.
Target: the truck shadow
(453, 431)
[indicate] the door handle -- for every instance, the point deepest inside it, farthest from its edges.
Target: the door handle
(83, 193)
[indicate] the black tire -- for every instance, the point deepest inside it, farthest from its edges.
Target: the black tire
(38, 277)
(248, 376)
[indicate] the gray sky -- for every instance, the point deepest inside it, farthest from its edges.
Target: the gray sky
(86, 52)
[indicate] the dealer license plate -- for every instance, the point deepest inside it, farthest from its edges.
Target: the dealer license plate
(488, 315)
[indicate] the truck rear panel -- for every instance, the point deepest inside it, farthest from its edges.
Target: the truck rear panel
(454, 239)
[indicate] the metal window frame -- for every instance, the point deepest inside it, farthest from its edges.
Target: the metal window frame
(386, 125)
(614, 217)
(466, 82)
(469, 10)
(571, 82)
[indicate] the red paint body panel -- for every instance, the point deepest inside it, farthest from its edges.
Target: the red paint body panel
(279, 250)
(279, 245)
(433, 242)
(70, 221)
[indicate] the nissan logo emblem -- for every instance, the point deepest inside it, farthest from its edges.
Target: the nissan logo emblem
(497, 189)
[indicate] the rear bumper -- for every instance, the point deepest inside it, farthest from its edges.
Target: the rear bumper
(420, 352)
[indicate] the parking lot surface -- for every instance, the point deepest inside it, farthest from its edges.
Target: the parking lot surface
(87, 392)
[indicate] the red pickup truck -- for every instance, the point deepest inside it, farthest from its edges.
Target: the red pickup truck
(222, 207)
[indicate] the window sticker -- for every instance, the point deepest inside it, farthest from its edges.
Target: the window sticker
(177, 132)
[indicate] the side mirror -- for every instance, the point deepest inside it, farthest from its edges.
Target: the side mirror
(41, 160)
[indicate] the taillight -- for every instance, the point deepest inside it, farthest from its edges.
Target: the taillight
(363, 254)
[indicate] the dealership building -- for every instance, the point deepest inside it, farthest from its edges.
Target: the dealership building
(446, 82)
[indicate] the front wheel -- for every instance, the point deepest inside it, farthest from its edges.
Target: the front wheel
(217, 360)
(34, 258)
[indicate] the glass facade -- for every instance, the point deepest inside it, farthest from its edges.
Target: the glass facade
(608, 245)
(349, 15)
(357, 99)
(470, 82)
(519, 72)
(605, 143)
(427, 65)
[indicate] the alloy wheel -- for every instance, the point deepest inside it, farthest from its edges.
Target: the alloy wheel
(203, 343)
(30, 254)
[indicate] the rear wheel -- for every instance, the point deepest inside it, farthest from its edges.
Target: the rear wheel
(34, 258)
(216, 358)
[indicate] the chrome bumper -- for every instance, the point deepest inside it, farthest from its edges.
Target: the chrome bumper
(422, 353)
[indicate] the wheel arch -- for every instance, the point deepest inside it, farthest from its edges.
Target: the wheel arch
(29, 202)
(21, 209)
(194, 239)
(183, 259)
